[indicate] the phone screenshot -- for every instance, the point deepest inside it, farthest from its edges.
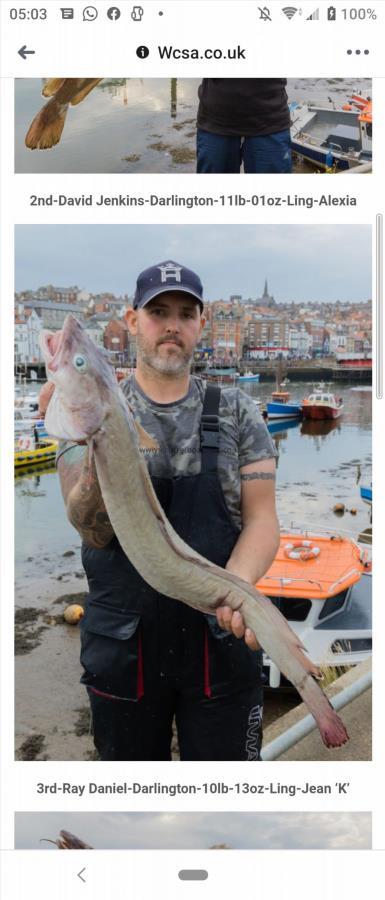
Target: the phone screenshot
(191, 449)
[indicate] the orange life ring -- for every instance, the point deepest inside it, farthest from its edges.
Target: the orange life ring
(302, 550)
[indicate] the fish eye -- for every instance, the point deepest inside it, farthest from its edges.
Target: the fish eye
(80, 362)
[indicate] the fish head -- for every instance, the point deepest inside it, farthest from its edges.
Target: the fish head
(84, 382)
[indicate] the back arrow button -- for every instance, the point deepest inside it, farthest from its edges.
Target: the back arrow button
(23, 52)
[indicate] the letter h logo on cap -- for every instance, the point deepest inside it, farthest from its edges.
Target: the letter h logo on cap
(167, 277)
(170, 270)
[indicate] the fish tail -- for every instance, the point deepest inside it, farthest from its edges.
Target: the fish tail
(46, 128)
(285, 649)
(77, 98)
(331, 727)
(51, 86)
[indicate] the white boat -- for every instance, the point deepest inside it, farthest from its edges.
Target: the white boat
(321, 583)
(333, 138)
(24, 425)
(27, 404)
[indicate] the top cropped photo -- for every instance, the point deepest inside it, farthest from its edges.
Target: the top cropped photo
(193, 125)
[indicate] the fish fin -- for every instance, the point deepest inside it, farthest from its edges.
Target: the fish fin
(46, 130)
(51, 86)
(77, 98)
(146, 442)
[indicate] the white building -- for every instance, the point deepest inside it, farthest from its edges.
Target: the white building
(269, 353)
(27, 331)
(300, 342)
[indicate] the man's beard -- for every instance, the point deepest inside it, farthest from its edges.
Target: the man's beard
(172, 364)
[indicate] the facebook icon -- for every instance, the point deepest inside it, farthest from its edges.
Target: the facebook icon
(113, 12)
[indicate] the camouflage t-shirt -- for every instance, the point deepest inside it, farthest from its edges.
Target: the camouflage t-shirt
(243, 436)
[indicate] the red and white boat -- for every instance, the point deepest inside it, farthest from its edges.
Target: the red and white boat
(322, 404)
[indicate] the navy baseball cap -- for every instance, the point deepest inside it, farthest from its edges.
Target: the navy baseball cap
(164, 278)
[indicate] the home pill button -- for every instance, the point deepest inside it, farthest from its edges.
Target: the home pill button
(193, 875)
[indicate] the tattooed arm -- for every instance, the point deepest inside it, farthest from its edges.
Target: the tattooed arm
(82, 497)
(259, 539)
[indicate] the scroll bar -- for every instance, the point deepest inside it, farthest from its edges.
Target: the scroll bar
(379, 306)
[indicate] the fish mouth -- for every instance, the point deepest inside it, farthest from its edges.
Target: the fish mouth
(54, 342)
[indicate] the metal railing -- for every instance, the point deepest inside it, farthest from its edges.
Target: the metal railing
(301, 729)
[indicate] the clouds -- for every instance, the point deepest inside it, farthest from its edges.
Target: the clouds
(194, 831)
(302, 263)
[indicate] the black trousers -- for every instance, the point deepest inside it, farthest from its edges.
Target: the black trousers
(216, 728)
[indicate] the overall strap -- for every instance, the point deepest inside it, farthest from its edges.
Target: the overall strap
(209, 429)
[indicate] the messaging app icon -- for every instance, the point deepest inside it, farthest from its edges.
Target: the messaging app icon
(89, 13)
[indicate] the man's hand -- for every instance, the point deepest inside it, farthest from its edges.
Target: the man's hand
(233, 621)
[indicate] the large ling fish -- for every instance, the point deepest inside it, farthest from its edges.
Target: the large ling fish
(46, 128)
(87, 404)
(68, 841)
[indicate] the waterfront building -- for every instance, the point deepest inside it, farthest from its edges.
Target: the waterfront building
(300, 342)
(116, 338)
(28, 326)
(268, 332)
(268, 353)
(52, 314)
(227, 331)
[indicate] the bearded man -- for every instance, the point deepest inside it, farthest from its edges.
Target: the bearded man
(150, 660)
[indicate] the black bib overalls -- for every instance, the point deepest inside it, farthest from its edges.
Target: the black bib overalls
(148, 658)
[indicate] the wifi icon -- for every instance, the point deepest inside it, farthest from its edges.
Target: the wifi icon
(290, 11)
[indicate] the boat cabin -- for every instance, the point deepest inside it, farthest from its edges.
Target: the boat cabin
(323, 397)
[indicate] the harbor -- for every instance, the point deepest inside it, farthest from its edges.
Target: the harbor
(321, 467)
(132, 125)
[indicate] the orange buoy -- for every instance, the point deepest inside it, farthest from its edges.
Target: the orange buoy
(302, 550)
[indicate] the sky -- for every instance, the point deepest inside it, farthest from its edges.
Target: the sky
(302, 263)
(201, 830)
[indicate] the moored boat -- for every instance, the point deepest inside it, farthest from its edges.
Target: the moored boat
(321, 583)
(366, 493)
(249, 376)
(221, 376)
(27, 405)
(279, 406)
(28, 452)
(322, 404)
(333, 138)
(24, 425)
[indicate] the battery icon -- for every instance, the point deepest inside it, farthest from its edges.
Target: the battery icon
(332, 13)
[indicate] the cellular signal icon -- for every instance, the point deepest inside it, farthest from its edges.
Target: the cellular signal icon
(289, 11)
(314, 15)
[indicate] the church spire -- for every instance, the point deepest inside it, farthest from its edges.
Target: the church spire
(265, 290)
